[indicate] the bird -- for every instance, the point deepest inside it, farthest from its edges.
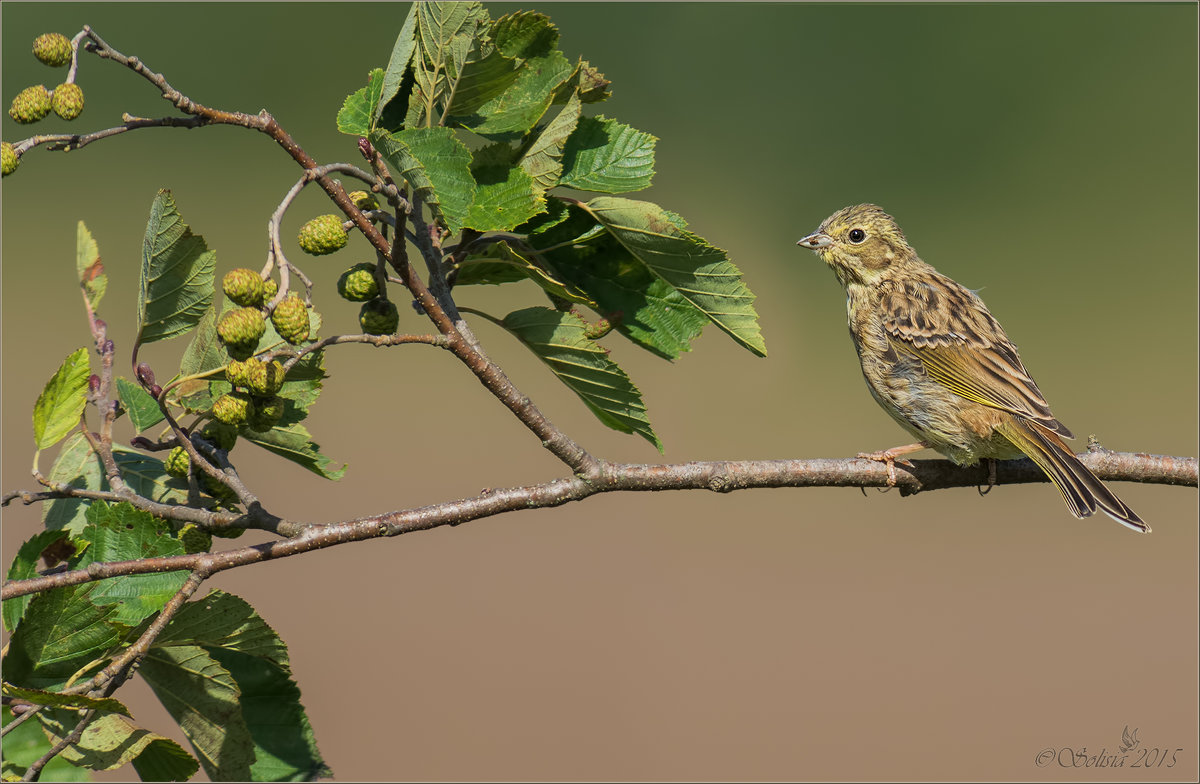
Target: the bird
(940, 364)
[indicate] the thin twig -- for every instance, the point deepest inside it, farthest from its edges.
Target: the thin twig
(718, 476)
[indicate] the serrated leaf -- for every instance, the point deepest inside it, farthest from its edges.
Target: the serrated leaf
(360, 107)
(62, 400)
(523, 103)
(143, 410)
(608, 157)
(62, 630)
(146, 476)
(176, 285)
(112, 741)
(285, 747)
(57, 700)
(505, 195)
(701, 272)
(399, 62)
(442, 26)
(203, 698)
(87, 263)
(203, 354)
(24, 567)
(645, 308)
(121, 533)
(76, 465)
(293, 442)
(223, 620)
(437, 165)
(499, 263)
(25, 744)
(559, 340)
(543, 161)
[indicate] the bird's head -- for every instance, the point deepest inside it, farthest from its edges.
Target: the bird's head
(861, 243)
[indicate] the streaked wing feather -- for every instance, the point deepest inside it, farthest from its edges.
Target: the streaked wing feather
(962, 346)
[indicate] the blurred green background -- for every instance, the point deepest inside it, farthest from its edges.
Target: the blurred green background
(1045, 154)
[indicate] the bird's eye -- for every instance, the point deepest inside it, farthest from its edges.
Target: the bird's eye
(857, 235)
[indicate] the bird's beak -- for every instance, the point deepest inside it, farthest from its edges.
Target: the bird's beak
(816, 241)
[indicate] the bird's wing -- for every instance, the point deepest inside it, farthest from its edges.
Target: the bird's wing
(962, 346)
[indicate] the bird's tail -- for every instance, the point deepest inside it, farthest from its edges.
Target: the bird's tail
(1081, 489)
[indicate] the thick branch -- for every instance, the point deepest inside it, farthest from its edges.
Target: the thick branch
(720, 476)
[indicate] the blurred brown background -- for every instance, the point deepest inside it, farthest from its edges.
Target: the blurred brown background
(1043, 153)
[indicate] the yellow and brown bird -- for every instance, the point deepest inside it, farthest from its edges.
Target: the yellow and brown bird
(941, 365)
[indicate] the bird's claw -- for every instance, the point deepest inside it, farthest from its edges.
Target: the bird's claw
(888, 458)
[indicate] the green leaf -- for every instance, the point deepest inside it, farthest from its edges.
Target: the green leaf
(57, 700)
(121, 533)
(523, 103)
(607, 156)
(146, 476)
(204, 354)
(359, 109)
(25, 744)
(203, 698)
(62, 630)
(77, 465)
(61, 403)
(543, 161)
(559, 340)
(24, 567)
(645, 308)
(701, 272)
(143, 409)
(437, 165)
(505, 195)
(524, 34)
(398, 63)
(223, 620)
(443, 26)
(87, 263)
(176, 287)
(499, 263)
(293, 441)
(112, 741)
(285, 747)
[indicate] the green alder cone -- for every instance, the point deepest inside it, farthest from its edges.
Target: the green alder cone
(358, 284)
(237, 373)
(364, 200)
(177, 462)
(53, 49)
(239, 330)
(290, 318)
(224, 496)
(270, 288)
(220, 435)
(67, 101)
(232, 409)
(323, 234)
(263, 379)
(244, 287)
(379, 317)
(31, 104)
(9, 160)
(265, 413)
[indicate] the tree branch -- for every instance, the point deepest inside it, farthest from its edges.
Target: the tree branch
(718, 476)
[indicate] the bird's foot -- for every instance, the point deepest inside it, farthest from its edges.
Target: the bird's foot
(888, 458)
(991, 462)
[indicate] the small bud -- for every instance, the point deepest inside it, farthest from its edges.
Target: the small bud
(141, 442)
(366, 149)
(145, 374)
(93, 383)
(101, 325)
(155, 391)
(108, 347)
